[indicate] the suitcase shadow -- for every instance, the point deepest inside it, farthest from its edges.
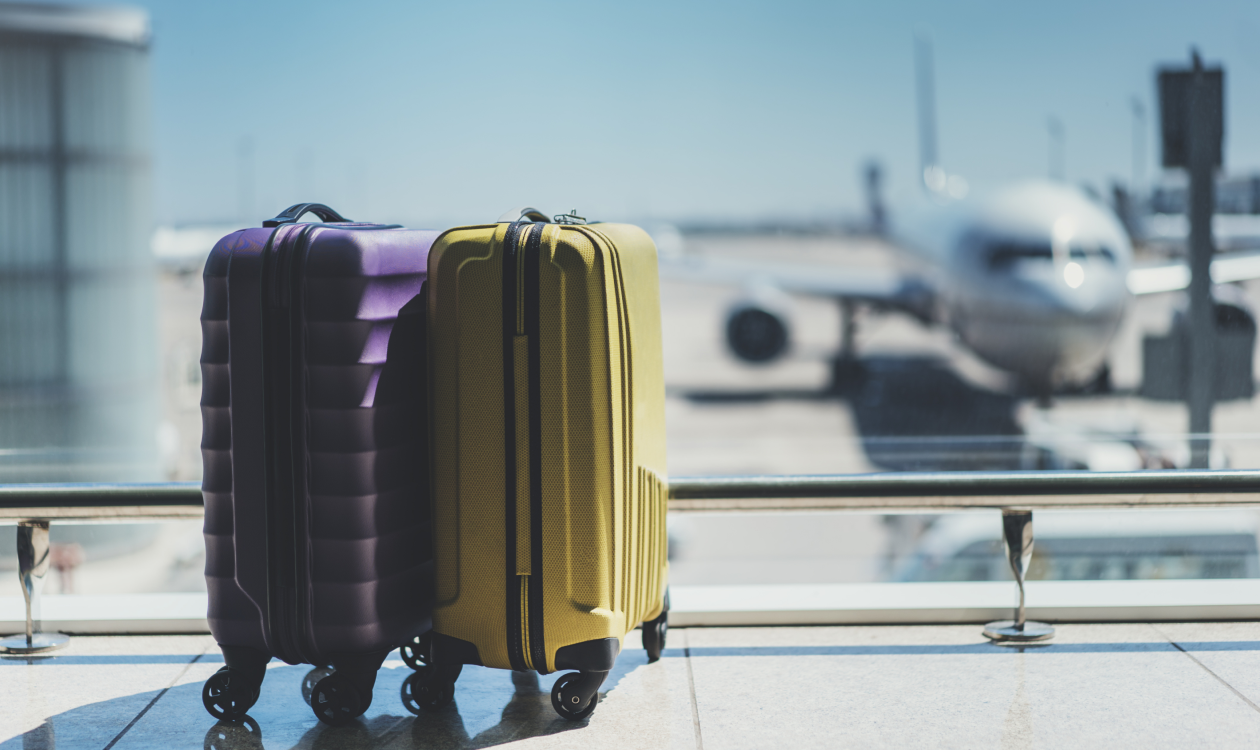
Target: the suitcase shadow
(461, 724)
(488, 710)
(528, 712)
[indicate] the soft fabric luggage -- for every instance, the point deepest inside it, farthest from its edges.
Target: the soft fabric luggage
(318, 538)
(547, 409)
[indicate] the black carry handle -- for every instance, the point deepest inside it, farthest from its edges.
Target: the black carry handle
(291, 214)
(525, 212)
(534, 215)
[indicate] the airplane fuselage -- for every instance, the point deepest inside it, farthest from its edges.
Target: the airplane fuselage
(1031, 278)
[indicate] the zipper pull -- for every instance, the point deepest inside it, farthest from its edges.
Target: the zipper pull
(569, 218)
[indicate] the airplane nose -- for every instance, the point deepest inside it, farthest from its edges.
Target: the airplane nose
(1081, 289)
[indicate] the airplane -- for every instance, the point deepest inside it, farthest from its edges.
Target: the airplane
(1034, 277)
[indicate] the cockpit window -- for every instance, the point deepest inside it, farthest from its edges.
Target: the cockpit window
(1092, 253)
(1003, 257)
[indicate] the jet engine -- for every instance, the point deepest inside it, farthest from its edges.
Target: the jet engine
(757, 329)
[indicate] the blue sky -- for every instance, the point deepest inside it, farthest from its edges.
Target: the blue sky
(436, 113)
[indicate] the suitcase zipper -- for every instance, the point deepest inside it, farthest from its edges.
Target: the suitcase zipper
(522, 424)
(282, 378)
(515, 584)
(533, 643)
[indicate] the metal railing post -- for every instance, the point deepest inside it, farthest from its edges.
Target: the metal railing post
(33, 564)
(1017, 538)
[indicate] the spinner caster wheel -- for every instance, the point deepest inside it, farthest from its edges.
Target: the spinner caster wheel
(654, 638)
(312, 679)
(416, 651)
(567, 698)
(654, 632)
(426, 691)
(228, 694)
(336, 701)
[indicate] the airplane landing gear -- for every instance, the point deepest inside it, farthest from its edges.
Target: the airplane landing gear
(847, 372)
(847, 375)
(1101, 382)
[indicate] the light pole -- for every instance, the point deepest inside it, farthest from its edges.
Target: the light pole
(1058, 150)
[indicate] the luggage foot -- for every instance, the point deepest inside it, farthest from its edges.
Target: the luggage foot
(575, 694)
(430, 689)
(335, 700)
(654, 632)
(229, 693)
(416, 651)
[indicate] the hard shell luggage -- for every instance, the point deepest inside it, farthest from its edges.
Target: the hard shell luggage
(547, 409)
(318, 538)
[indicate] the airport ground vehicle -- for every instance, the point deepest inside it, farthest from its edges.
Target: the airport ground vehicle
(1093, 545)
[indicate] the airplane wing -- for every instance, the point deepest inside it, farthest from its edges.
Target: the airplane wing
(1172, 277)
(883, 287)
(1230, 232)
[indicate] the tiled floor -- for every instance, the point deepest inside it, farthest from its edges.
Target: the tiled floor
(1142, 685)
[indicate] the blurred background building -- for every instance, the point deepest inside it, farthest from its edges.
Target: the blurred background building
(79, 376)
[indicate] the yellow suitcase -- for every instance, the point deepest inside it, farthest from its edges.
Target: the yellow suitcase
(548, 458)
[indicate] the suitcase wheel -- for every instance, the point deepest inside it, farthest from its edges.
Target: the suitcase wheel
(575, 694)
(228, 694)
(430, 689)
(654, 636)
(312, 679)
(416, 651)
(654, 632)
(335, 700)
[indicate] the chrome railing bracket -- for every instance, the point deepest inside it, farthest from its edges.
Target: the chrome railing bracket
(33, 563)
(1017, 538)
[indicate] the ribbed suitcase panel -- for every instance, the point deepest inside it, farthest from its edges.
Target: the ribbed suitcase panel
(357, 430)
(342, 560)
(346, 517)
(232, 616)
(327, 342)
(366, 487)
(367, 473)
(377, 298)
(370, 576)
(374, 612)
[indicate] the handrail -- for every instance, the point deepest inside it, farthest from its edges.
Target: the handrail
(902, 491)
(960, 490)
(1015, 493)
(100, 501)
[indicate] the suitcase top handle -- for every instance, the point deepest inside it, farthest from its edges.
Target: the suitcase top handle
(291, 214)
(524, 212)
(534, 215)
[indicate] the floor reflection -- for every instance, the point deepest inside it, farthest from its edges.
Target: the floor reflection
(528, 713)
(234, 735)
(491, 707)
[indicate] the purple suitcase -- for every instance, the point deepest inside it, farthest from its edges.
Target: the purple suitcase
(317, 527)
